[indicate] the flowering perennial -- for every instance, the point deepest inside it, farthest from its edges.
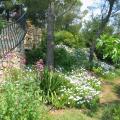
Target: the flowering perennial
(86, 88)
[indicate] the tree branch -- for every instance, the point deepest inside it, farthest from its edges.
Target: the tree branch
(67, 10)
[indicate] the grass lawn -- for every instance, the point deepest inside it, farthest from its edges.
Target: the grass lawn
(71, 114)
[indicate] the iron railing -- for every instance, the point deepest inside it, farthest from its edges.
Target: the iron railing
(12, 35)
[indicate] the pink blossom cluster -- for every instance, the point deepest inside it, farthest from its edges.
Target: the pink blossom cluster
(9, 55)
(40, 65)
(23, 60)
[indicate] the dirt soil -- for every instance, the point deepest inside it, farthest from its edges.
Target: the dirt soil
(108, 93)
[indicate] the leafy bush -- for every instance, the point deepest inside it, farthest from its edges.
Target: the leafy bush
(112, 112)
(21, 100)
(109, 47)
(50, 84)
(81, 57)
(65, 38)
(64, 60)
(98, 71)
(32, 56)
(67, 58)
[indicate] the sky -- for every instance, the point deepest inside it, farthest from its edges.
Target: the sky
(87, 4)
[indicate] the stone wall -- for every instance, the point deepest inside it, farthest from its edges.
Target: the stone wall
(33, 36)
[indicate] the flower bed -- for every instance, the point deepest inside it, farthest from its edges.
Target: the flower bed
(85, 89)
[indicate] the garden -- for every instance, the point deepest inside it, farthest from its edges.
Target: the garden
(77, 78)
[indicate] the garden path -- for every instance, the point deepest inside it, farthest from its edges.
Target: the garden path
(110, 92)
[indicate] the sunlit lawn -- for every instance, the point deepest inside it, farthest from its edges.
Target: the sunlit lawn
(70, 114)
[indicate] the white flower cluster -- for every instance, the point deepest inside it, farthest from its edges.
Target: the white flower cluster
(106, 66)
(86, 88)
(68, 49)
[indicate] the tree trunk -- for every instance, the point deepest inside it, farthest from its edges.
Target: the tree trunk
(91, 57)
(50, 35)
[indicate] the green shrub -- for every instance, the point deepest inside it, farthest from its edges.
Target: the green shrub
(81, 58)
(68, 59)
(70, 39)
(112, 112)
(109, 47)
(98, 71)
(65, 38)
(50, 84)
(64, 59)
(21, 101)
(32, 56)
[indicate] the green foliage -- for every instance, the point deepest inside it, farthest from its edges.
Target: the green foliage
(90, 30)
(81, 58)
(21, 100)
(93, 105)
(64, 60)
(67, 59)
(111, 75)
(69, 39)
(32, 87)
(109, 46)
(32, 56)
(111, 112)
(8, 4)
(98, 71)
(117, 89)
(91, 27)
(60, 93)
(37, 9)
(2, 24)
(50, 84)
(14, 75)
(64, 37)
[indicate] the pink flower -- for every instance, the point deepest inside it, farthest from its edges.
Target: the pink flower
(22, 60)
(8, 55)
(40, 65)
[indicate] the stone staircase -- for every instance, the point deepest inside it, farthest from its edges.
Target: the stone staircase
(33, 36)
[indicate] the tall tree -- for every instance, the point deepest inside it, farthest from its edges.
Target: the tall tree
(50, 33)
(102, 24)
